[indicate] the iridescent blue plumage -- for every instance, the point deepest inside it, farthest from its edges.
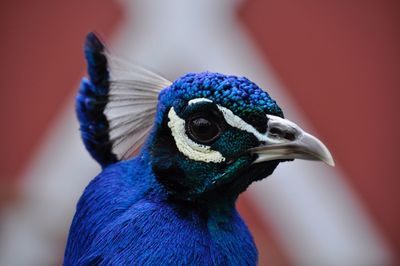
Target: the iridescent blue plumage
(174, 203)
(236, 93)
(125, 217)
(91, 101)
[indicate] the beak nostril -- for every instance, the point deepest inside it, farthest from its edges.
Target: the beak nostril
(275, 131)
(285, 134)
(289, 135)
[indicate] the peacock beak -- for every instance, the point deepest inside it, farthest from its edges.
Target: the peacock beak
(286, 140)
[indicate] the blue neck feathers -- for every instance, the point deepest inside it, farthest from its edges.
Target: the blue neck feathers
(127, 217)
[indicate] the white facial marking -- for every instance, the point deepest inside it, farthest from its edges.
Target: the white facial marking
(237, 122)
(200, 152)
(188, 147)
(198, 100)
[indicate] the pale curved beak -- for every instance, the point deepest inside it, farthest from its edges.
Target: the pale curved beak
(286, 140)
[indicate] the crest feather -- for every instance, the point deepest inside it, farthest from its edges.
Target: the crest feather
(123, 100)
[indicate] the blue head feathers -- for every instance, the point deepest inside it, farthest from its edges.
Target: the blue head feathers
(204, 139)
(205, 125)
(235, 93)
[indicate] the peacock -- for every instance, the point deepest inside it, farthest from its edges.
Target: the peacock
(201, 141)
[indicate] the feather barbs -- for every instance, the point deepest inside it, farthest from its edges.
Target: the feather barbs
(132, 104)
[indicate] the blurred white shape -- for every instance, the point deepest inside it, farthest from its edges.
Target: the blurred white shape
(32, 230)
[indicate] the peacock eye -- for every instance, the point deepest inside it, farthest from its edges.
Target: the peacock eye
(203, 130)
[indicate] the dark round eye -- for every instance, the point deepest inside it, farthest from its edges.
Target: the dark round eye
(203, 130)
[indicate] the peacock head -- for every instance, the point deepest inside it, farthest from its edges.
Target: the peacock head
(208, 134)
(216, 134)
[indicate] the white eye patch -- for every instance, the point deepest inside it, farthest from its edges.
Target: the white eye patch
(200, 152)
(188, 147)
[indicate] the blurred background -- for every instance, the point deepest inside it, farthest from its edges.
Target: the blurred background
(333, 67)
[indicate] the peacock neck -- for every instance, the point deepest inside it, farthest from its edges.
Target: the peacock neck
(213, 206)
